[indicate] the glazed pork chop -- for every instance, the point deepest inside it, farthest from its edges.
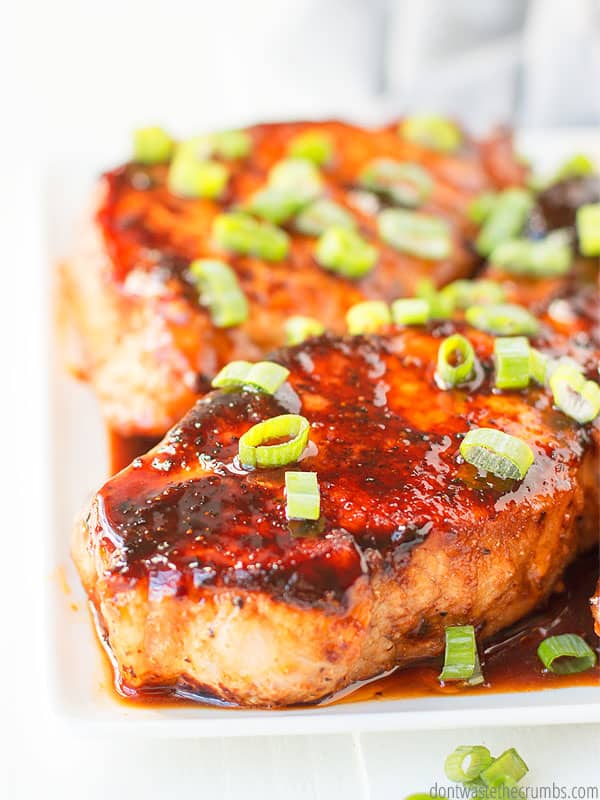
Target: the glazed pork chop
(133, 321)
(201, 586)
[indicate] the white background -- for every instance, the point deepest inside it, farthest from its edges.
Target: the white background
(75, 77)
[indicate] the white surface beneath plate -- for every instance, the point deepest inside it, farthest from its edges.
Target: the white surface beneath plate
(71, 660)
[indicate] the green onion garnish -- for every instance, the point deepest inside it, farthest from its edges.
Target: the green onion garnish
(466, 763)
(410, 311)
(465, 293)
(231, 144)
(322, 214)
(254, 453)
(511, 355)
(346, 252)
(152, 145)
(303, 500)
(577, 166)
(505, 220)
(441, 304)
(189, 177)
(503, 319)
(296, 175)
(542, 258)
(538, 365)
(313, 146)
(455, 362)
(240, 233)
(481, 207)
(275, 205)
(418, 234)
(588, 229)
(432, 131)
(220, 291)
(461, 660)
(494, 451)
(264, 375)
(368, 317)
(299, 328)
(404, 183)
(566, 654)
(506, 770)
(576, 397)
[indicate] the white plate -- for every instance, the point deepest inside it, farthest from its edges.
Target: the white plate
(79, 686)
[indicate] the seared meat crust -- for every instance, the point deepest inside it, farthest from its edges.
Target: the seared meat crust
(201, 584)
(132, 319)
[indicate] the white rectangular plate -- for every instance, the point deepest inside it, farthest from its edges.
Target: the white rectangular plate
(78, 682)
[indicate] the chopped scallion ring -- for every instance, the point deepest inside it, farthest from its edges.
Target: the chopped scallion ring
(588, 229)
(467, 763)
(264, 375)
(505, 220)
(481, 207)
(346, 252)
(253, 452)
(299, 328)
(506, 770)
(241, 233)
(511, 354)
(313, 146)
(538, 366)
(368, 317)
(297, 175)
(461, 660)
(566, 654)
(410, 311)
(441, 304)
(276, 205)
(465, 293)
(220, 291)
(576, 397)
(152, 145)
(418, 234)
(503, 319)
(494, 451)
(432, 131)
(322, 214)
(455, 362)
(578, 166)
(303, 499)
(404, 183)
(543, 258)
(189, 177)
(231, 144)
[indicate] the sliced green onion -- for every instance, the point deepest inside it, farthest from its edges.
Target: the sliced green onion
(505, 220)
(432, 131)
(220, 291)
(418, 796)
(455, 361)
(152, 145)
(368, 317)
(198, 148)
(543, 258)
(506, 770)
(503, 319)
(264, 375)
(494, 451)
(538, 366)
(299, 328)
(241, 233)
(403, 183)
(297, 175)
(303, 499)
(476, 757)
(276, 205)
(415, 233)
(461, 660)
(254, 453)
(410, 311)
(189, 177)
(481, 207)
(231, 144)
(322, 214)
(441, 304)
(346, 252)
(313, 146)
(566, 654)
(588, 229)
(465, 293)
(578, 166)
(576, 397)
(511, 354)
